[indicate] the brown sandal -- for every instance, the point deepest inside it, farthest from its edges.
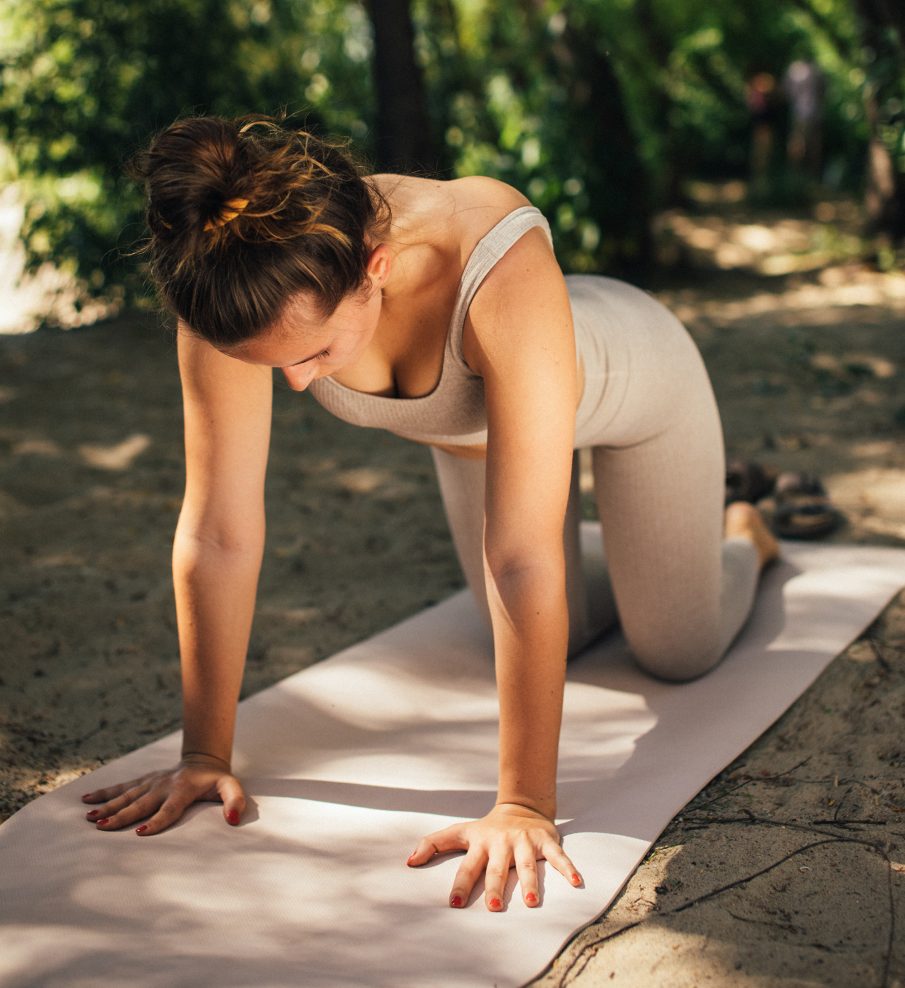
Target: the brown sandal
(803, 508)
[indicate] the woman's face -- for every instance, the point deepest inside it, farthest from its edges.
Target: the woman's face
(306, 347)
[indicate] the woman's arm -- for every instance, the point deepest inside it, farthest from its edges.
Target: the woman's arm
(522, 343)
(220, 536)
(216, 562)
(525, 352)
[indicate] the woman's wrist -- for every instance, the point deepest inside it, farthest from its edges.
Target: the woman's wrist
(544, 812)
(204, 758)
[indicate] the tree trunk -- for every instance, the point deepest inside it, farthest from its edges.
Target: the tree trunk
(618, 186)
(883, 31)
(404, 135)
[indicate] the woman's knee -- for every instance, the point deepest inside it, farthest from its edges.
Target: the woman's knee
(677, 657)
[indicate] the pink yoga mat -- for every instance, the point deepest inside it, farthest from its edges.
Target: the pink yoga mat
(349, 762)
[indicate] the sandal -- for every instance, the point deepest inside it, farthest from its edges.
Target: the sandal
(748, 481)
(803, 508)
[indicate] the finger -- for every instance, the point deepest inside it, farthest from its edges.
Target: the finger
(104, 795)
(561, 862)
(466, 878)
(170, 811)
(140, 808)
(114, 806)
(233, 796)
(449, 839)
(496, 875)
(526, 869)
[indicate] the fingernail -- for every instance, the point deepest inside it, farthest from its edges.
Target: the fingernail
(495, 904)
(576, 878)
(87, 795)
(141, 829)
(456, 901)
(232, 817)
(92, 813)
(101, 823)
(531, 898)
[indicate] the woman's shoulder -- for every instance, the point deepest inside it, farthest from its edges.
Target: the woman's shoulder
(491, 192)
(465, 192)
(480, 203)
(459, 210)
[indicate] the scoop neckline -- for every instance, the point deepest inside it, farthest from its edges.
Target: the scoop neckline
(330, 382)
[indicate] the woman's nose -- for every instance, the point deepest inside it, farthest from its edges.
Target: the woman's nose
(298, 377)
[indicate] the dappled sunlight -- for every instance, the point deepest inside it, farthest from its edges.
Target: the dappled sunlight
(874, 497)
(58, 560)
(364, 480)
(808, 301)
(296, 616)
(118, 456)
(854, 362)
(781, 247)
(37, 447)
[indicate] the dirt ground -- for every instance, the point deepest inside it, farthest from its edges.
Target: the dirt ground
(788, 870)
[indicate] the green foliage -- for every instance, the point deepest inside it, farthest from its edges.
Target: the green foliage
(85, 82)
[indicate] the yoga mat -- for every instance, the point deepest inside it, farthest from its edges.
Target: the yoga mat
(349, 762)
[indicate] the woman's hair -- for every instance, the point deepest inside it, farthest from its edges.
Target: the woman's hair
(243, 213)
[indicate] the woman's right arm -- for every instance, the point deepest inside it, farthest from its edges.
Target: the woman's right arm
(217, 555)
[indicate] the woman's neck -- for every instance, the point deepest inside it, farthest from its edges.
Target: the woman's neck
(421, 236)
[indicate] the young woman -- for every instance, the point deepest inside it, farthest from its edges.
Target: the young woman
(436, 310)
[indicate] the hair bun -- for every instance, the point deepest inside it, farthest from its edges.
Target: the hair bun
(196, 171)
(246, 212)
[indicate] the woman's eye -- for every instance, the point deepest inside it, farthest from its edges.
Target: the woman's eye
(322, 355)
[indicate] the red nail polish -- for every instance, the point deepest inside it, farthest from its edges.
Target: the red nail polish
(576, 878)
(456, 901)
(531, 897)
(91, 813)
(101, 823)
(495, 904)
(141, 829)
(232, 817)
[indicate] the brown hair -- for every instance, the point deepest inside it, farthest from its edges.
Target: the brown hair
(243, 213)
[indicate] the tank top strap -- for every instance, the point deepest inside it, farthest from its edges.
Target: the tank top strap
(488, 250)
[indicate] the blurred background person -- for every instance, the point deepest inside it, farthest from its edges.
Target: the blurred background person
(764, 100)
(804, 88)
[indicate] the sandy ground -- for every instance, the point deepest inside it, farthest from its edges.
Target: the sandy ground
(788, 870)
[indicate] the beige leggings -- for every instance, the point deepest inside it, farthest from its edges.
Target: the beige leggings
(679, 590)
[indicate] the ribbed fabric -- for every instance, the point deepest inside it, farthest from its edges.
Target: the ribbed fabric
(453, 413)
(649, 416)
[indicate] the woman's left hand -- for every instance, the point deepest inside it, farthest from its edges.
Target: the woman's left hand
(509, 834)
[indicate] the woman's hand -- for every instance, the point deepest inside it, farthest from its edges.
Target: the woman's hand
(160, 798)
(509, 834)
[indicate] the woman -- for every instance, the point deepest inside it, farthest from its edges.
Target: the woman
(437, 310)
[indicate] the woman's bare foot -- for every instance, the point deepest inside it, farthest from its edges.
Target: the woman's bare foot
(743, 520)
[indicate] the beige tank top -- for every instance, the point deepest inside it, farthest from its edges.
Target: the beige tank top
(453, 414)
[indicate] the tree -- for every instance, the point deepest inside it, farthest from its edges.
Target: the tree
(883, 32)
(86, 82)
(404, 138)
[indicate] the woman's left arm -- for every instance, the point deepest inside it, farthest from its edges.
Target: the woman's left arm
(521, 340)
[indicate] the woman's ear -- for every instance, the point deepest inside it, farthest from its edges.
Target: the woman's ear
(379, 264)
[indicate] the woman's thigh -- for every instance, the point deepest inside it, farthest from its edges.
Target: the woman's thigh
(660, 503)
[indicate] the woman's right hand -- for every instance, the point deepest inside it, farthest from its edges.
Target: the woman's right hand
(160, 798)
